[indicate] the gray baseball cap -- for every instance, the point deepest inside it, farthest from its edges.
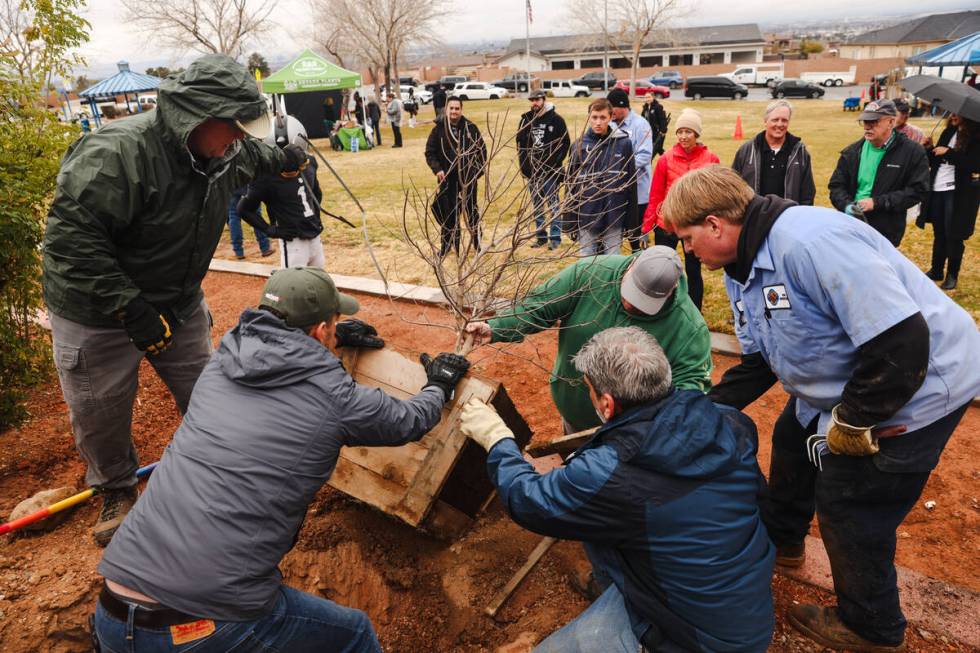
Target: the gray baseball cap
(878, 109)
(536, 94)
(651, 278)
(305, 296)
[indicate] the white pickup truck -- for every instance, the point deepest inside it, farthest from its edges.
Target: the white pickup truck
(838, 78)
(759, 74)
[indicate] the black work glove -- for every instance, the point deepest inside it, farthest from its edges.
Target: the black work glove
(295, 158)
(147, 328)
(355, 333)
(444, 371)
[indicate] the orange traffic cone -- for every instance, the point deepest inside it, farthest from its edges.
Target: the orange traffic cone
(738, 128)
(863, 91)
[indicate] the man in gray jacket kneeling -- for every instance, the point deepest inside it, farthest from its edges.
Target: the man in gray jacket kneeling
(196, 560)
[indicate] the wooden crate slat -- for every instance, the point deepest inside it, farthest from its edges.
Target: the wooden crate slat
(366, 485)
(396, 464)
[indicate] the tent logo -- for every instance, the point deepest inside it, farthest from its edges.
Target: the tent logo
(310, 68)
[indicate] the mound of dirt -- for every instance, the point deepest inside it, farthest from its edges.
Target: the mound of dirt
(421, 594)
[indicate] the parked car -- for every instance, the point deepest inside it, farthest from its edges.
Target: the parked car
(796, 88)
(702, 87)
(668, 78)
(479, 91)
(595, 80)
(643, 87)
(446, 83)
(421, 95)
(565, 88)
(409, 81)
(516, 82)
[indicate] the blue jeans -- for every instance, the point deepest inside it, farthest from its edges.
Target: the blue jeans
(603, 626)
(299, 623)
(544, 195)
(235, 230)
(593, 244)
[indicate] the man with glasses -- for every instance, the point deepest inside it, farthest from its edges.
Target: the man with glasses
(881, 176)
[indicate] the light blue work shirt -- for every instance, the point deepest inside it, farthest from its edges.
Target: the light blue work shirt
(823, 284)
(641, 137)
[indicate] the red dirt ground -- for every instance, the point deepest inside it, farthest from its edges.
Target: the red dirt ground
(423, 595)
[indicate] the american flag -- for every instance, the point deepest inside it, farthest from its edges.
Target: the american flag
(530, 15)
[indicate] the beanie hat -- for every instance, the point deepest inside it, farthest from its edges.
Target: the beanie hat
(690, 119)
(618, 98)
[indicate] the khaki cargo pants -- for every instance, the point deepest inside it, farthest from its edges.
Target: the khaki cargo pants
(99, 372)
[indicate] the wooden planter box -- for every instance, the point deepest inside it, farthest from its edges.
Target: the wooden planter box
(438, 483)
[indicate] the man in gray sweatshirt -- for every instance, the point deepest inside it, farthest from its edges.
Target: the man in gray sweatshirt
(196, 560)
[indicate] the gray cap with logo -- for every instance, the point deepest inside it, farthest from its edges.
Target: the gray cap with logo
(878, 109)
(651, 278)
(305, 296)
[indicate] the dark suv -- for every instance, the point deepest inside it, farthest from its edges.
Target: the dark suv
(797, 88)
(446, 83)
(702, 87)
(594, 80)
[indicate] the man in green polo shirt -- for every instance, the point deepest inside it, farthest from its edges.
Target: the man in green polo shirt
(881, 176)
(599, 292)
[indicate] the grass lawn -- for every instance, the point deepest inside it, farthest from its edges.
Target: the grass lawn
(380, 176)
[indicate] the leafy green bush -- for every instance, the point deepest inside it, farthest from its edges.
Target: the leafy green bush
(31, 144)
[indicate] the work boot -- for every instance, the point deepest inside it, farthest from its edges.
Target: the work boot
(949, 283)
(269, 252)
(934, 274)
(791, 555)
(539, 243)
(823, 625)
(116, 504)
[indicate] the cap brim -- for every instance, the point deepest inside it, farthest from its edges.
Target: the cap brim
(638, 299)
(348, 305)
(256, 128)
(873, 115)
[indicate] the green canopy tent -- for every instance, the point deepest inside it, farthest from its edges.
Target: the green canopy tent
(306, 82)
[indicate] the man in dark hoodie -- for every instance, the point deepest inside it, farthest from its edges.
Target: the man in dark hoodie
(456, 154)
(542, 145)
(136, 217)
(664, 496)
(876, 359)
(196, 561)
(776, 162)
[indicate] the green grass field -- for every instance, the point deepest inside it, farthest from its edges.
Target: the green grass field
(380, 176)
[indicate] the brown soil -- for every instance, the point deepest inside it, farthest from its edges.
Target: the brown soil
(422, 594)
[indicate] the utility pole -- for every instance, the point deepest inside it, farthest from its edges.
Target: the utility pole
(605, 46)
(527, 47)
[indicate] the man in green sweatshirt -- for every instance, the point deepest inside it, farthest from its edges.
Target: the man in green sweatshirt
(596, 293)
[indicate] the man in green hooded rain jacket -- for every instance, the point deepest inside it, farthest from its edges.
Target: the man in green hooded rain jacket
(139, 209)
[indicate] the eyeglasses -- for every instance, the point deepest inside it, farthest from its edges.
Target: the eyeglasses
(869, 123)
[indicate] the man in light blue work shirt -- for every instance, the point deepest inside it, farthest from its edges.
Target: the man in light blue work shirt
(641, 137)
(871, 353)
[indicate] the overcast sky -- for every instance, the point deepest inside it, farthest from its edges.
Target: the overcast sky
(113, 39)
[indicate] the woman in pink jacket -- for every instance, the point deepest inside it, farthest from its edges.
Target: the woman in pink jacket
(687, 155)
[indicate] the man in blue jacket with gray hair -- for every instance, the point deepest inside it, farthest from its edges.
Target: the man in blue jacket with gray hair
(664, 496)
(195, 563)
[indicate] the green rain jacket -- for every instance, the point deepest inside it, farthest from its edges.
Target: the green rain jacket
(135, 213)
(585, 299)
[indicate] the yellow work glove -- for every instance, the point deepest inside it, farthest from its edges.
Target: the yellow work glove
(847, 440)
(481, 423)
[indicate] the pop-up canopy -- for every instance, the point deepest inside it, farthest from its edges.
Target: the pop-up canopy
(310, 72)
(307, 82)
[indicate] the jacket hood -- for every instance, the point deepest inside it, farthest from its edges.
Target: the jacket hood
(262, 352)
(683, 434)
(214, 86)
(548, 107)
(696, 152)
(760, 215)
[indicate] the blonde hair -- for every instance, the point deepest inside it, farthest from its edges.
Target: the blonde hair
(713, 190)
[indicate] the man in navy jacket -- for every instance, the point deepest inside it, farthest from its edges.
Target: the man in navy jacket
(664, 496)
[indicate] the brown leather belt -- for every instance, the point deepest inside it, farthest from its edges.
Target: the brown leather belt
(144, 617)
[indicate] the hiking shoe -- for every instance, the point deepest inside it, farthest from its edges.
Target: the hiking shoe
(823, 625)
(949, 283)
(116, 504)
(554, 245)
(269, 252)
(540, 243)
(240, 257)
(791, 555)
(935, 275)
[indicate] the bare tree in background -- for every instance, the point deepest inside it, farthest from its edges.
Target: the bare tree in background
(631, 24)
(208, 26)
(479, 283)
(375, 32)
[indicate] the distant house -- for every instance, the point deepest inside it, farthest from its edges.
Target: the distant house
(734, 44)
(911, 37)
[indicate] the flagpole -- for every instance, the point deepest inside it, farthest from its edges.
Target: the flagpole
(527, 44)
